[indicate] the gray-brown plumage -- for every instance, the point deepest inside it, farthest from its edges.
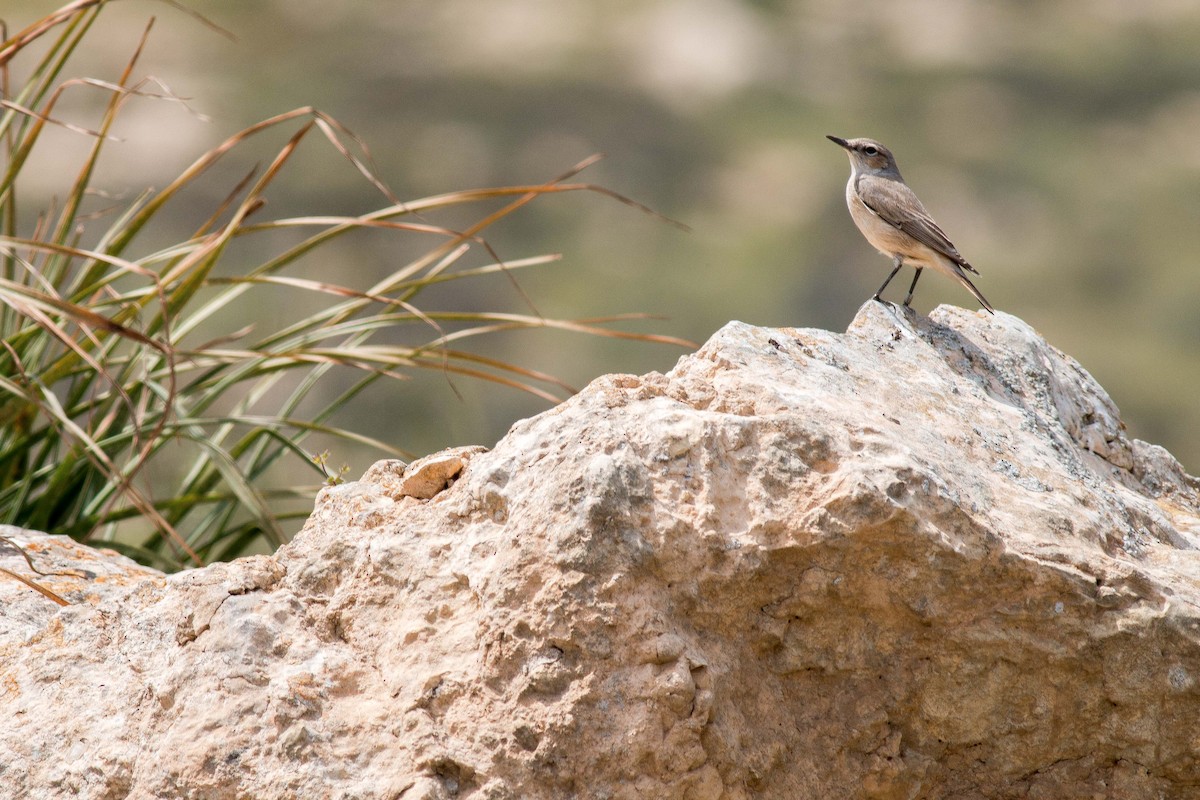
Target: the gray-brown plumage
(894, 220)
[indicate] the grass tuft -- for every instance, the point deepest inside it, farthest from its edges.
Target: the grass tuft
(132, 410)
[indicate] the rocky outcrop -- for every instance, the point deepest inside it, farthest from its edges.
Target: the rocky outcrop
(920, 559)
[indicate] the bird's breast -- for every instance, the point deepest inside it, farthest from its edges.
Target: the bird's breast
(882, 235)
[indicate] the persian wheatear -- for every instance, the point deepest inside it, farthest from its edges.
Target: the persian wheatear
(895, 222)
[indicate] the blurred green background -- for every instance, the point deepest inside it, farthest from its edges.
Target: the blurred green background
(1058, 143)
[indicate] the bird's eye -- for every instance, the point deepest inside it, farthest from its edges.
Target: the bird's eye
(871, 150)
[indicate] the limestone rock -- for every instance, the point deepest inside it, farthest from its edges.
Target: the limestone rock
(424, 477)
(62, 567)
(921, 559)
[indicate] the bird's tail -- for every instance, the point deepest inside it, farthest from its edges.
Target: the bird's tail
(971, 288)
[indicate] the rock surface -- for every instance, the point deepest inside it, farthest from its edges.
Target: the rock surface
(920, 559)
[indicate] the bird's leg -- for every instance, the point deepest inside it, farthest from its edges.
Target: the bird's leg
(898, 262)
(912, 288)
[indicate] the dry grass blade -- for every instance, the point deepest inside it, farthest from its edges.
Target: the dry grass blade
(65, 14)
(49, 120)
(26, 301)
(342, 291)
(497, 364)
(468, 195)
(331, 127)
(42, 590)
(512, 321)
(203, 20)
(74, 573)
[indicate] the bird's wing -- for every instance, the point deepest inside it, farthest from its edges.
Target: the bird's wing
(897, 205)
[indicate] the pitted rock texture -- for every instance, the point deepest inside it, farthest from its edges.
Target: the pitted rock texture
(920, 559)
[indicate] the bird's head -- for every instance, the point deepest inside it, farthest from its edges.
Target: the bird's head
(868, 156)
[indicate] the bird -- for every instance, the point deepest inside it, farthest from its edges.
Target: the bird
(895, 222)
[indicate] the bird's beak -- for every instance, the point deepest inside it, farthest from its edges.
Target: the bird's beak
(838, 141)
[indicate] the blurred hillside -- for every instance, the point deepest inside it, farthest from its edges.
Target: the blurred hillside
(1055, 142)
